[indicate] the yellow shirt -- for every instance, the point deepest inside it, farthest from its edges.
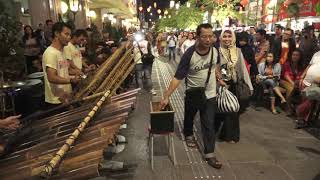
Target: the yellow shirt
(54, 58)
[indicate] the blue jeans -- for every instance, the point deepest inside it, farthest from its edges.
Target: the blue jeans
(143, 72)
(269, 84)
(172, 52)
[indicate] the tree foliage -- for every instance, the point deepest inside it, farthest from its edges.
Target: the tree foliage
(190, 17)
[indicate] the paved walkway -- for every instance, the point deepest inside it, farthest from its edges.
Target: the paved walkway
(269, 148)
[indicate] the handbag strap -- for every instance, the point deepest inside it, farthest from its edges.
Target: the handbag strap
(139, 48)
(209, 72)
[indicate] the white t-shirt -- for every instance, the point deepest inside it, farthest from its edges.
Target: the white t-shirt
(186, 44)
(143, 44)
(54, 58)
(172, 41)
(315, 58)
(71, 52)
(313, 71)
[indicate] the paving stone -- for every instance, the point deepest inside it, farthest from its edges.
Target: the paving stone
(259, 171)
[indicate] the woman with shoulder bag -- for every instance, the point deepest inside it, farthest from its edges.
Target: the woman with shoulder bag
(234, 74)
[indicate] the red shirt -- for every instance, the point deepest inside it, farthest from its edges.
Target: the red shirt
(287, 71)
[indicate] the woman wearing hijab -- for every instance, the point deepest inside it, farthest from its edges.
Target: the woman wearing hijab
(233, 70)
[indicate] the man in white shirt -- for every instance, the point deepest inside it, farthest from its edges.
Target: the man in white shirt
(73, 53)
(311, 74)
(142, 47)
(56, 67)
(172, 42)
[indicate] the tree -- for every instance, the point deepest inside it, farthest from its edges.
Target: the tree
(11, 51)
(190, 17)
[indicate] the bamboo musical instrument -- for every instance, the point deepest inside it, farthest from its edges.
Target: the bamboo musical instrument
(46, 171)
(96, 80)
(115, 70)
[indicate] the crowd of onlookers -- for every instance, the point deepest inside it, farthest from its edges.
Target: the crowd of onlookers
(281, 65)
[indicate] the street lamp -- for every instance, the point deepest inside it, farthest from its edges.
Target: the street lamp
(64, 7)
(74, 7)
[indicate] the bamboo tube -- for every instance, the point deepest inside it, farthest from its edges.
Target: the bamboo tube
(98, 77)
(118, 84)
(114, 70)
(122, 70)
(81, 149)
(121, 77)
(45, 134)
(39, 154)
(47, 169)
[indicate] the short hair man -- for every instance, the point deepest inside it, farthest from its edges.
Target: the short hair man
(282, 48)
(56, 67)
(194, 66)
(72, 52)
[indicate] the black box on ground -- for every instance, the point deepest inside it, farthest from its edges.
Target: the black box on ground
(161, 121)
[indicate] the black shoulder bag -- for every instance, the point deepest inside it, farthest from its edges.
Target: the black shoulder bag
(197, 94)
(148, 58)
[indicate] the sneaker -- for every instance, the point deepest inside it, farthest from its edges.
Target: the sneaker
(153, 92)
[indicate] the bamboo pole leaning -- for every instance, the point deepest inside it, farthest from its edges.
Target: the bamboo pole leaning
(92, 83)
(46, 171)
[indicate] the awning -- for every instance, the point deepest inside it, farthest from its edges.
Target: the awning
(116, 7)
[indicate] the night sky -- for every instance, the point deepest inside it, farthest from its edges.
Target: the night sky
(161, 4)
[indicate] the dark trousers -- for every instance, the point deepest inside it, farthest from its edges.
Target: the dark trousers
(207, 119)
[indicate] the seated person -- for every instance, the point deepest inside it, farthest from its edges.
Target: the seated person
(268, 77)
(291, 75)
(311, 77)
(9, 123)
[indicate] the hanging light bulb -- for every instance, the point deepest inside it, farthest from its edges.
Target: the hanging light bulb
(159, 11)
(140, 8)
(172, 4)
(188, 4)
(155, 5)
(148, 9)
(165, 12)
(177, 6)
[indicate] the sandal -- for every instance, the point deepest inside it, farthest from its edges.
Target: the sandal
(213, 162)
(232, 142)
(275, 112)
(191, 141)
